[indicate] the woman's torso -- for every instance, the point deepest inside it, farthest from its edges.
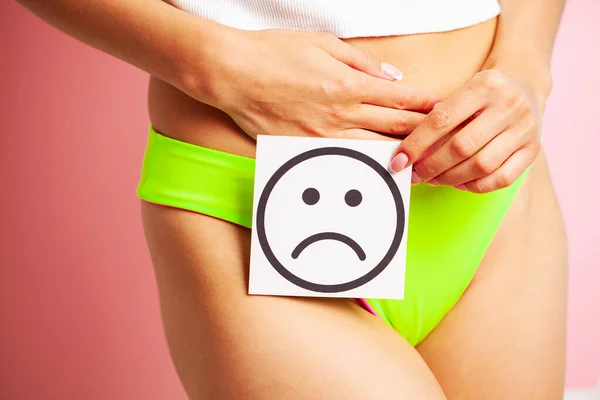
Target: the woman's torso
(437, 62)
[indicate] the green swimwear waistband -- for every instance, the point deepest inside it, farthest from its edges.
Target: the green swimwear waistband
(449, 229)
(199, 179)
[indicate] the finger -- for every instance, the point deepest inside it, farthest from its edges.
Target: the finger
(385, 120)
(504, 176)
(446, 116)
(485, 162)
(416, 178)
(362, 60)
(363, 134)
(463, 144)
(395, 95)
(490, 157)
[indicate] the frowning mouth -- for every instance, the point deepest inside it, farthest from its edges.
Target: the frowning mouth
(329, 236)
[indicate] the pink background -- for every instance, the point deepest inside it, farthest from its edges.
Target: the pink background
(79, 313)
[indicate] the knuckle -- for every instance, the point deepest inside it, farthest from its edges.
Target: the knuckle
(339, 89)
(504, 179)
(439, 120)
(536, 147)
(399, 125)
(483, 165)
(425, 169)
(531, 123)
(516, 102)
(446, 178)
(478, 187)
(328, 87)
(450, 179)
(461, 146)
(400, 100)
(527, 132)
(367, 59)
(494, 79)
(347, 86)
(531, 127)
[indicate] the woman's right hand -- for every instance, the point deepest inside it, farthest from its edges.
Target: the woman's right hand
(280, 82)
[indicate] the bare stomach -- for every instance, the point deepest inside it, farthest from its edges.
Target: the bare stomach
(439, 63)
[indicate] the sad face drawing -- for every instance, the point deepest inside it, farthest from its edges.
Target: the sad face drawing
(317, 217)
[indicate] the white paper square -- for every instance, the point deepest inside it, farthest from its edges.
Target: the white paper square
(313, 234)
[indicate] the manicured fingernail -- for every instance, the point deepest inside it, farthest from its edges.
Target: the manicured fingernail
(461, 187)
(433, 182)
(415, 178)
(399, 162)
(391, 71)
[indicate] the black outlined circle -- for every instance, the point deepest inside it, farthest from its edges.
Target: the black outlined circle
(339, 287)
(353, 198)
(311, 196)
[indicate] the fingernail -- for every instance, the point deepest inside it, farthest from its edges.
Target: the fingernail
(391, 71)
(433, 182)
(461, 187)
(415, 178)
(399, 162)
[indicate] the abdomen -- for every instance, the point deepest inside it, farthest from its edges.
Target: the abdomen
(439, 62)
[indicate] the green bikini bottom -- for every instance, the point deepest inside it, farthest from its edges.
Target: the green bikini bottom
(449, 229)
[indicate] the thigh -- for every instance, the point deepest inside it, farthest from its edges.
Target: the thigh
(505, 338)
(228, 345)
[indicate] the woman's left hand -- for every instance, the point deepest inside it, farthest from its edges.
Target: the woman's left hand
(481, 138)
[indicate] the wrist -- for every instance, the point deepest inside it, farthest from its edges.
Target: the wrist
(202, 55)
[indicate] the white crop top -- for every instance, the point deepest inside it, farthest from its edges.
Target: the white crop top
(345, 18)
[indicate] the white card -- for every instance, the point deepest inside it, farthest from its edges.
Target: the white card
(329, 220)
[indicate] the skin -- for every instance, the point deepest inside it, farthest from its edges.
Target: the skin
(505, 339)
(483, 136)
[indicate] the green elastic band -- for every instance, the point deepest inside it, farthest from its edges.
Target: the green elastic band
(199, 179)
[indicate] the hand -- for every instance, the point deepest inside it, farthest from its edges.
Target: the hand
(291, 83)
(481, 138)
